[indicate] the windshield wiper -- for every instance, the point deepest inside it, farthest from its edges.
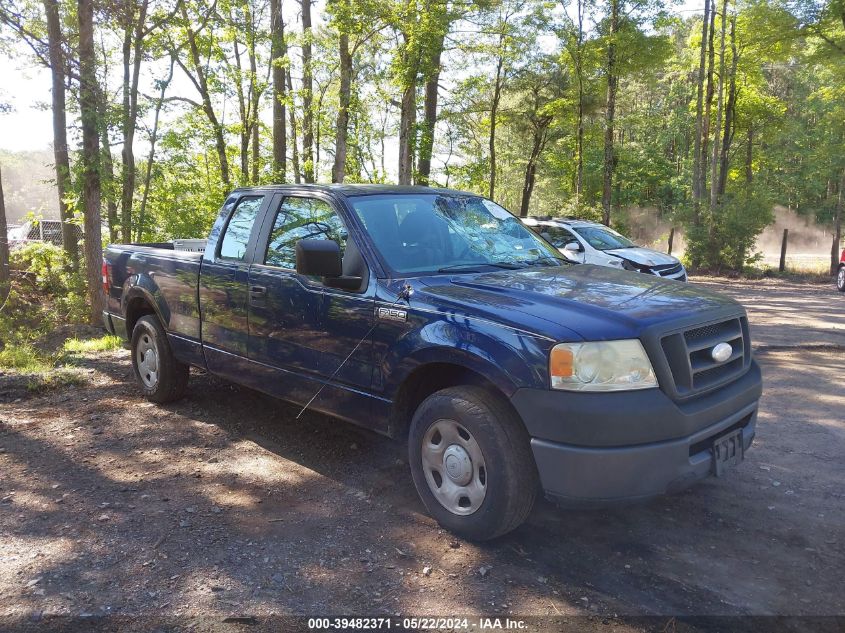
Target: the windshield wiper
(474, 267)
(546, 261)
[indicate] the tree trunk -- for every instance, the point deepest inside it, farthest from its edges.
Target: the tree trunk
(610, 111)
(243, 107)
(730, 115)
(135, 49)
(494, 115)
(60, 151)
(342, 127)
(297, 177)
(151, 157)
(540, 135)
(699, 104)
(579, 135)
(254, 94)
(407, 121)
(749, 155)
(307, 96)
(432, 90)
(708, 103)
(837, 226)
(90, 159)
(714, 166)
(277, 53)
(4, 248)
(107, 178)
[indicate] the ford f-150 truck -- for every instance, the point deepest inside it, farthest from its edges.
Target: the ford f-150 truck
(437, 317)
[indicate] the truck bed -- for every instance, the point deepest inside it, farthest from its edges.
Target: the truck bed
(168, 277)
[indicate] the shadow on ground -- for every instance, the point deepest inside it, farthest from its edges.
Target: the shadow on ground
(225, 504)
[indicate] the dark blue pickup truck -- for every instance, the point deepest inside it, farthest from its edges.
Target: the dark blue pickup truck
(436, 317)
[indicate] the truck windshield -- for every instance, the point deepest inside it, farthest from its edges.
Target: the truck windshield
(417, 233)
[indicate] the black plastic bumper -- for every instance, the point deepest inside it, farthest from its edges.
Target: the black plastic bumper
(114, 324)
(600, 448)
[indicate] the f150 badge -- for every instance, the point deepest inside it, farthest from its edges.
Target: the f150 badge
(392, 314)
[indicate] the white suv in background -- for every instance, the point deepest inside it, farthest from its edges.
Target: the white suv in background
(586, 242)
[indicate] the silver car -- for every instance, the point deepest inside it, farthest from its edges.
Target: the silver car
(587, 242)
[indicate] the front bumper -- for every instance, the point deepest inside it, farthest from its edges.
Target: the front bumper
(595, 449)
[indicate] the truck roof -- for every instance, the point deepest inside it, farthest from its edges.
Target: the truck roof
(350, 190)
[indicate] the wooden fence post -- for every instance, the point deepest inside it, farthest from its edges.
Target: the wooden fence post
(671, 238)
(782, 266)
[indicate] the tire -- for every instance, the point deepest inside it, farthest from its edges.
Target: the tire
(493, 493)
(161, 376)
(840, 279)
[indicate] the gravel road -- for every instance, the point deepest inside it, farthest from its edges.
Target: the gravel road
(223, 505)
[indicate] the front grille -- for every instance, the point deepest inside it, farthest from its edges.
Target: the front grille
(689, 355)
(668, 270)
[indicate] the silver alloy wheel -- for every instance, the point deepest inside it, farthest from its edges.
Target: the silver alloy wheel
(840, 278)
(146, 359)
(454, 467)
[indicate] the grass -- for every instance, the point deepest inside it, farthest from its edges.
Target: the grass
(84, 346)
(49, 371)
(56, 378)
(24, 358)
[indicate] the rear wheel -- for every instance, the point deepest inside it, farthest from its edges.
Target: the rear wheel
(840, 279)
(161, 376)
(471, 462)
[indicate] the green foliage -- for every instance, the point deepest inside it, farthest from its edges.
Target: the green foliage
(726, 238)
(44, 269)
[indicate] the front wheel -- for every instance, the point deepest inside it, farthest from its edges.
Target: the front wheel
(840, 279)
(161, 376)
(471, 462)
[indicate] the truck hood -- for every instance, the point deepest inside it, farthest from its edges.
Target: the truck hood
(643, 256)
(589, 302)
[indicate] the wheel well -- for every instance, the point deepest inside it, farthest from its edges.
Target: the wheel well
(426, 380)
(135, 309)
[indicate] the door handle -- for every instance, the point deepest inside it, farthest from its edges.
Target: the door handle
(257, 292)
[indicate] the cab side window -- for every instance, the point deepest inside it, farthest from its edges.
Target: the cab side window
(236, 236)
(559, 237)
(302, 219)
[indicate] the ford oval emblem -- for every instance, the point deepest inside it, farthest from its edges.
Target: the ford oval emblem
(721, 352)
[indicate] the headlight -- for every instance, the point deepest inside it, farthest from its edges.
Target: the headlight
(601, 366)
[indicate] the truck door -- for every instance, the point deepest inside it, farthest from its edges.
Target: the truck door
(223, 289)
(300, 330)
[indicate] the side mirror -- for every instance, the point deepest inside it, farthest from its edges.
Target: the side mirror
(573, 247)
(321, 258)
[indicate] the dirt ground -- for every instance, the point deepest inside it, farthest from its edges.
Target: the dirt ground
(223, 505)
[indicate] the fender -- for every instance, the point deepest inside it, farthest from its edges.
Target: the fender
(508, 359)
(142, 286)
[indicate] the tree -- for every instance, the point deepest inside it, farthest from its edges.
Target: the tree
(197, 72)
(575, 47)
(163, 85)
(59, 112)
(307, 94)
(88, 99)
(610, 110)
(4, 245)
(355, 23)
(541, 98)
(837, 226)
(699, 103)
(277, 61)
(134, 19)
